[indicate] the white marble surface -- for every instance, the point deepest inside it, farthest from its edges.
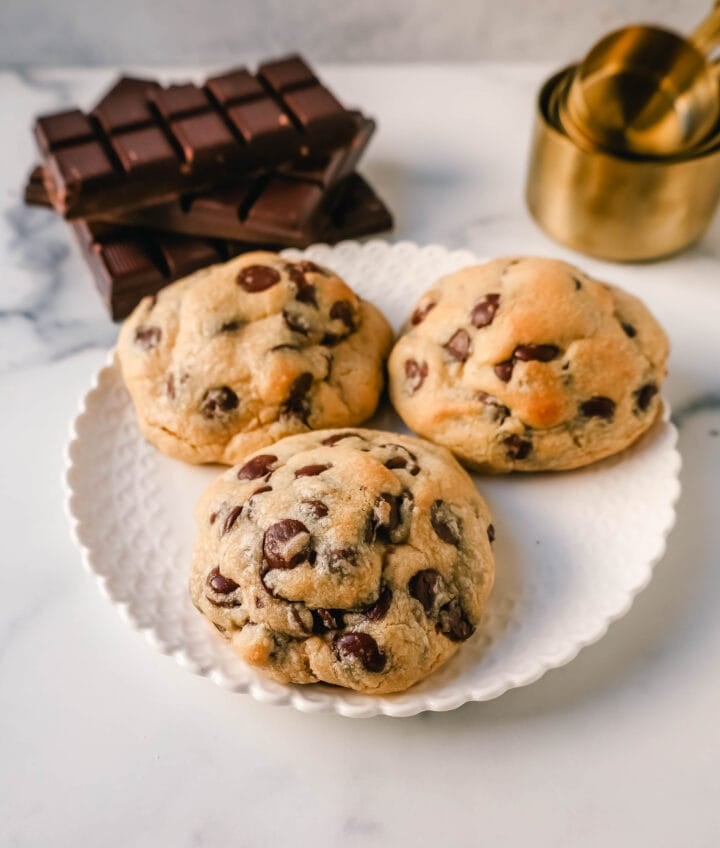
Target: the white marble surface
(103, 741)
(85, 32)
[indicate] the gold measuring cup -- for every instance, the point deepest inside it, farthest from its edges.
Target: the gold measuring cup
(645, 91)
(614, 207)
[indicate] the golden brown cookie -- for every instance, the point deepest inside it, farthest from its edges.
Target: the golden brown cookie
(528, 364)
(354, 557)
(239, 355)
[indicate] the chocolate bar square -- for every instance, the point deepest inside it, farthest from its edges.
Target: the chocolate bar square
(234, 86)
(81, 165)
(145, 150)
(318, 111)
(205, 138)
(57, 130)
(266, 128)
(286, 74)
(177, 101)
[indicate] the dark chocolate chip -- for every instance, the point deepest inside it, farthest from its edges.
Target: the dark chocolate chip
(644, 395)
(415, 373)
(630, 331)
(445, 523)
(491, 533)
(483, 313)
(385, 518)
(517, 447)
(339, 560)
(337, 437)
(230, 326)
(459, 346)
(396, 462)
(257, 278)
(499, 411)
(148, 337)
(342, 310)
(311, 470)
(232, 517)
(286, 544)
(296, 322)
(325, 620)
(213, 517)
(598, 407)
(421, 313)
(577, 283)
(539, 353)
(425, 587)
(218, 401)
(504, 370)
(378, 610)
(219, 583)
(257, 467)
(297, 404)
(360, 646)
(261, 491)
(307, 294)
(170, 386)
(454, 623)
(316, 508)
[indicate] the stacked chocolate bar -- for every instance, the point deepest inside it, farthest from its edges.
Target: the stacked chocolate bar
(160, 181)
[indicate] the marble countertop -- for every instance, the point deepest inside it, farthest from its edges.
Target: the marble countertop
(103, 739)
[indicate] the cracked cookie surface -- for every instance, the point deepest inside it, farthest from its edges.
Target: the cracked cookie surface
(528, 364)
(238, 355)
(354, 557)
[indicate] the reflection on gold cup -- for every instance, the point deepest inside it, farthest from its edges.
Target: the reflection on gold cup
(617, 208)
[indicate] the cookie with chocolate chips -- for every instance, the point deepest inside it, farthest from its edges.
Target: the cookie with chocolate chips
(528, 364)
(239, 355)
(354, 557)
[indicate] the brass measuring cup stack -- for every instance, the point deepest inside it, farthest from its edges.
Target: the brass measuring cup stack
(625, 161)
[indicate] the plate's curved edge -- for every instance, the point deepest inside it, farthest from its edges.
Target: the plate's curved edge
(382, 705)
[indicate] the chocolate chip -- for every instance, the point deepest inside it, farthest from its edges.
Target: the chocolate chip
(415, 373)
(338, 560)
(257, 278)
(598, 407)
(459, 346)
(453, 623)
(517, 447)
(385, 517)
(219, 583)
(297, 404)
(445, 523)
(230, 326)
(499, 411)
(337, 437)
(317, 509)
(630, 331)
(539, 353)
(305, 626)
(360, 646)
(504, 370)
(217, 402)
(296, 322)
(342, 310)
(311, 470)
(257, 467)
(170, 386)
(307, 294)
(577, 283)
(148, 337)
(378, 610)
(213, 517)
(261, 491)
(286, 544)
(491, 533)
(325, 620)
(396, 462)
(644, 395)
(232, 517)
(421, 313)
(404, 459)
(425, 587)
(483, 313)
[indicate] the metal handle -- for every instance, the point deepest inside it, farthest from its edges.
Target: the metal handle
(706, 36)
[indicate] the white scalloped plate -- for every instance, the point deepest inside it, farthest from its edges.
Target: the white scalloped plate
(572, 549)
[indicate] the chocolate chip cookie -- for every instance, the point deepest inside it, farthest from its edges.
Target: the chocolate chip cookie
(354, 557)
(239, 355)
(528, 364)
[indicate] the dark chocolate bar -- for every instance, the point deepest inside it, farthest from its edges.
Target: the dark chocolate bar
(129, 263)
(144, 144)
(283, 207)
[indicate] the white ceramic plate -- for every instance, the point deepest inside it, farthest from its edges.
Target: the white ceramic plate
(572, 549)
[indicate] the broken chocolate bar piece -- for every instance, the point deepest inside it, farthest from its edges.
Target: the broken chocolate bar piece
(144, 144)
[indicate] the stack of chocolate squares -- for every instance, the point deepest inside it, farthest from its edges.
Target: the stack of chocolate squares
(160, 181)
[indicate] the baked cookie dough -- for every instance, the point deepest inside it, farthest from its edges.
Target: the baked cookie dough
(354, 557)
(528, 364)
(238, 355)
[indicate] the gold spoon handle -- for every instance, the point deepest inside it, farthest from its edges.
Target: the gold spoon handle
(706, 36)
